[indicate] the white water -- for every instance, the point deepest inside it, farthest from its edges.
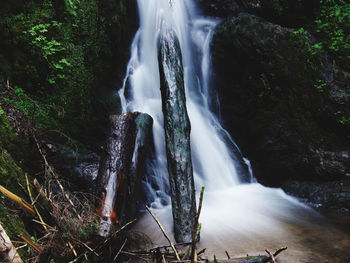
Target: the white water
(231, 208)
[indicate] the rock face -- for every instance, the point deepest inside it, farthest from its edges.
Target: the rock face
(330, 195)
(122, 167)
(281, 100)
(177, 134)
(284, 12)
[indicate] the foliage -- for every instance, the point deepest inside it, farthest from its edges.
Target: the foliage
(333, 29)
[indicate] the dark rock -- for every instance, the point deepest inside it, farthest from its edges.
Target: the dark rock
(268, 82)
(289, 13)
(177, 134)
(219, 8)
(329, 195)
(122, 167)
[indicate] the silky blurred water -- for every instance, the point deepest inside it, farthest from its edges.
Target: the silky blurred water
(238, 215)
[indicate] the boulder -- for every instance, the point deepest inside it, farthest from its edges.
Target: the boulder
(327, 195)
(281, 99)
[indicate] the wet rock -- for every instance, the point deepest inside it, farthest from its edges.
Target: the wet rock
(273, 104)
(328, 195)
(122, 167)
(177, 134)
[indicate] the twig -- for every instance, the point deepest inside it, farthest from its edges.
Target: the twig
(50, 170)
(165, 235)
(121, 248)
(279, 251)
(89, 248)
(101, 244)
(40, 190)
(73, 249)
(32, 200)
(202, 251)
(31, 243)
(271, 256)
(46, 225)
(194, 230)
(228, 256)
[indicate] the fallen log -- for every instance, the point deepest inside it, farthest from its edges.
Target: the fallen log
(122, 167)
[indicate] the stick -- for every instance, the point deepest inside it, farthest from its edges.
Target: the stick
(73, 249)
(279, 251)
(50, 169)
(194, 231)
(40, 190)
(202, 251)
(32, 200)
(271, 256)
(18, 200)
(31, 243)
(165, 235)
(121, 248)
(101, 244)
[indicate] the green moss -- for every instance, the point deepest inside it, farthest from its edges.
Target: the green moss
(13, 226)
(10, 177)
(10, 174)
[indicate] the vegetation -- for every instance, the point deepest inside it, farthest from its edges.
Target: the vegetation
(333, 29)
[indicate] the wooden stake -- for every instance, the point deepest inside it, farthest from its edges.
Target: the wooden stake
(163, 231)
(195, 227)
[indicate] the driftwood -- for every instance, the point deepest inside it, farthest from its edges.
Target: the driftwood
(162, 254)
(265, 259)
(8, 252)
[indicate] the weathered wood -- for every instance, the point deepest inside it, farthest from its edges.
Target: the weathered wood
(8, 253)
(177, 135)
(122, 167)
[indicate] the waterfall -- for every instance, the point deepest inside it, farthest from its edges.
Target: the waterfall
(213, 150)
(235, 206)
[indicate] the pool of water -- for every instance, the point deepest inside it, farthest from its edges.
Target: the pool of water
(319, 237)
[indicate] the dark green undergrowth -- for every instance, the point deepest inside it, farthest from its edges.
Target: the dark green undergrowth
(62, 59)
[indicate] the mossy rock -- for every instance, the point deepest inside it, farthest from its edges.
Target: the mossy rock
(268, 78)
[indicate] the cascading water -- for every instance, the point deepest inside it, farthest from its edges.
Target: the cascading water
(235, 206)
(213, 151)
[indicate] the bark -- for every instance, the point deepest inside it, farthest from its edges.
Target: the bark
(122, 167)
